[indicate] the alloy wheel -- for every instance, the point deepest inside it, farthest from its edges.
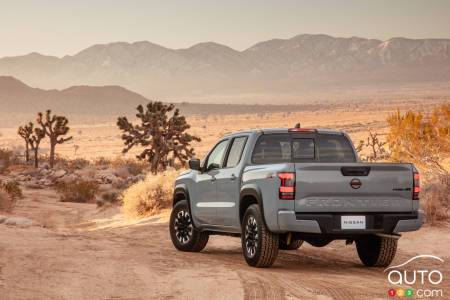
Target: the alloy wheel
(183, 227)
(251, 236)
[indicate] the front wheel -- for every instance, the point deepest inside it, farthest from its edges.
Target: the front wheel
(376, 251)
(260, 246)
(182, 231)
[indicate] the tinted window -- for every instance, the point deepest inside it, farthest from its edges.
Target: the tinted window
(216, 157)
(335, 148)
(272, 148)
(236, 151)
(303, 148)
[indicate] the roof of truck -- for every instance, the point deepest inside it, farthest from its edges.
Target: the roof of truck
(281, 130)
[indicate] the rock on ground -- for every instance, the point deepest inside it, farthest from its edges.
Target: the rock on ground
(19, 222)
(3, 219)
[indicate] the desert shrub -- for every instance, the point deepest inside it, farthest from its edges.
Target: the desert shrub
(66, 163)
(10, 191)
(102, 161)
(108, 197)
(133, 166)
(12, 188)
(5, 160)
(78, 190)
(148, 197)
(78, 163)
(435, 201)
(6, 202)
(122, 172)
(424, 140)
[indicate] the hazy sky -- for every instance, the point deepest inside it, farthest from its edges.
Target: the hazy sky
(61, 27)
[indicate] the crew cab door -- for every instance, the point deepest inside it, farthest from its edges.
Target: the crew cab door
(206, 187)
(229, 182)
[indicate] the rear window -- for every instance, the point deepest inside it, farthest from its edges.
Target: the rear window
(272, 149)
(282, 148)
(335, 148)
(303, 149)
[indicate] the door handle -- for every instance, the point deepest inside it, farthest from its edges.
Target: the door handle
(233, 177)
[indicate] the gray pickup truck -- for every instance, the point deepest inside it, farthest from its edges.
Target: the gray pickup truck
(276, 188)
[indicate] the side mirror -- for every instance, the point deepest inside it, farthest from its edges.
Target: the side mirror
(194, 164)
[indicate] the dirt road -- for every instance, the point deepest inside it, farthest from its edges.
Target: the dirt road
(81, 252)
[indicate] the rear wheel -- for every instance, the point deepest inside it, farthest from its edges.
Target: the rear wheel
(260, 246)
(182, 231)
(376, 251)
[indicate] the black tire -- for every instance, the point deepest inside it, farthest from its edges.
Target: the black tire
(260, 246)
(294, 245)
(376, 251)
(185, 237)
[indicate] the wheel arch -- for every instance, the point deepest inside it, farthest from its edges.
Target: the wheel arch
(181, 192)
(250, 194)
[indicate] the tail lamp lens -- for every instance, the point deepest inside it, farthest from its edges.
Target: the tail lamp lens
(416, 189)
(287, 186)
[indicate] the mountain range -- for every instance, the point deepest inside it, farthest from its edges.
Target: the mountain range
(102, 103)
(302, 64)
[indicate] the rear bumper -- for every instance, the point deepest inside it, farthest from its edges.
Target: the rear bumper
(410, 224)
(330, 223)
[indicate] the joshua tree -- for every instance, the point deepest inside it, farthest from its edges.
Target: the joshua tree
(35, 140)
(163, 136)
(25, 132)
(54, 126)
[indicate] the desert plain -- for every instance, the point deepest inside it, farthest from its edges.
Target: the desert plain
(81, 251)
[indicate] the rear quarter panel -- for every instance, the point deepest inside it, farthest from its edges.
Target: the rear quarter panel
(266, 178)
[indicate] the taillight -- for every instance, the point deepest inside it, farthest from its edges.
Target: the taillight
(287, 187)
(416, 188)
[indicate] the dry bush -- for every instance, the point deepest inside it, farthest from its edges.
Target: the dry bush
(78, 190)
(10, 191)
(5, 160)
(122, 172)
(148, 197)
(62, 162)
(76, 164)
(6, 202)
(425, 141)
(421, 139)
(133, 166)
(435, 201)
(108, 198)
(12, 188)
(103, 161)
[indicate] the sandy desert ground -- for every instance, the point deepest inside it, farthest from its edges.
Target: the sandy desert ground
(76, 251)
(79, 251)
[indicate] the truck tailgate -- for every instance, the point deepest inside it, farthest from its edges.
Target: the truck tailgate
(323, 187)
